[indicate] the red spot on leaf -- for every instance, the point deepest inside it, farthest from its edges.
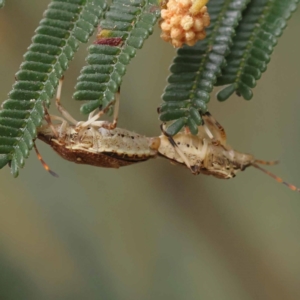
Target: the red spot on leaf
(114, 41)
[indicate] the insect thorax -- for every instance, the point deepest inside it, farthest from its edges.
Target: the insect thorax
(190, 145)
(213, 159)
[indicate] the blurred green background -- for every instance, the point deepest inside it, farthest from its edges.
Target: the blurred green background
(152, 230)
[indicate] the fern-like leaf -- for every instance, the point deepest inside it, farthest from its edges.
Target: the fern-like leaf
(65, 25)
(125, 27)
(195, 69)
(257, 34)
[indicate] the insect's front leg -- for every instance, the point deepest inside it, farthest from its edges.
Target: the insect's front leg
(113, 125)
(214, 130)
(63, 129)
(178, 150)
(204, 150)
(48, 119)
(93, 118)
(61, 133)
(60, 108)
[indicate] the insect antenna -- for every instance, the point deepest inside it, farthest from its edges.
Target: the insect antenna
(267, 163)
(278, 179)
(46, 167)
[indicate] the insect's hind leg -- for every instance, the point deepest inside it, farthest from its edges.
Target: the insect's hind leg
(60, 108)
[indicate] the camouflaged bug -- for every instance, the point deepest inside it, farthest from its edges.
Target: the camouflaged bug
(208, 153)
(94, 142)
(100, 143)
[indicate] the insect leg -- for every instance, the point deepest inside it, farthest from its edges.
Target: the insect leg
(92, 113)
(99, 123)
(208, 132)
(177, 149)
(113, 125)
(43, 162)
(94, 118)
(62, 128)
(216, 129)
(60, 108)
(203, 152)
(48, 120)
(116, 110)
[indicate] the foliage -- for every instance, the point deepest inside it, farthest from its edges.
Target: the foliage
(66, 24)
(123, 30)
(256, 36)
(240, 40)
(195, 69)
(218, 61)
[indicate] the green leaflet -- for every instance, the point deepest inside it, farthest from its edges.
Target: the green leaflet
(257, 34)
(2, 3)
(65, 25)
(125, 27)
(195, 69)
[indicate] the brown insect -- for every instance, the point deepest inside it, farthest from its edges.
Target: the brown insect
(102, 144)
(208, 153)
(94, 142)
